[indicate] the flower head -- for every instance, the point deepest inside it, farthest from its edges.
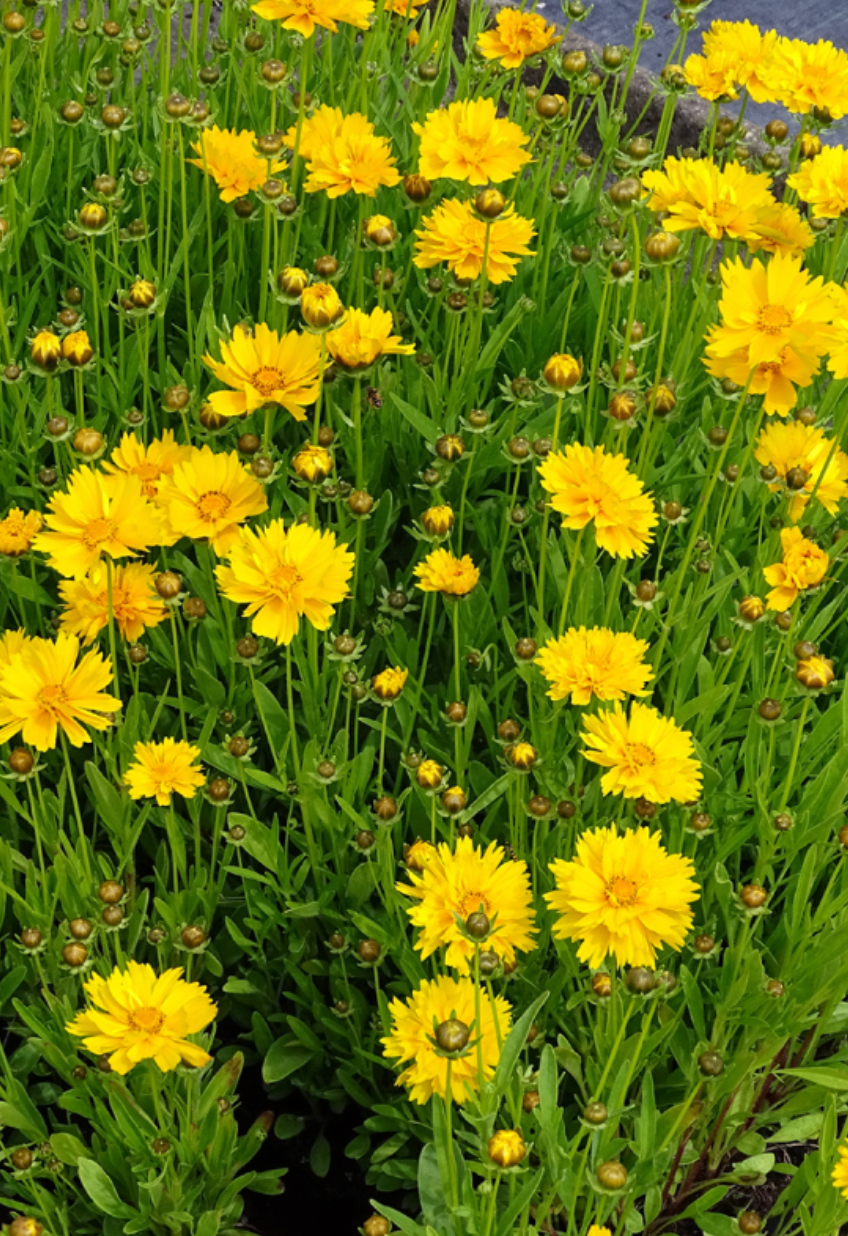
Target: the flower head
(388, 684)
(344, 154)
(97, 516)
(138, 1016)
(517, 36)
(455, 235)
(469, 141)
(135, 604)
(364, 338)
(839, 1176)
(804, 565)
(264, 368)
(822, 182)
(230, 158)
(304, 16)
(623, 895)
(595, 663)
(18, 531)
(284, 574)
(471, 881)
(695, 193)
(713, 77)
(209, 495)
(506, 1147)
(588, 485)
(412, 1037)
(442, 572)
(77, 349)
(805, 75)
(749, 51)
(779, 228)
(149, 463)
(320, 305)
(794, 447)
(44, 688)
(162, 769)
(647, 755)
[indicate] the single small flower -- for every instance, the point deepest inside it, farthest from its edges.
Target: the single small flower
(437, 520)
(780, 229)
(343, 154)
(805, 454)
(411, 1039)
(469, 141)
(261, 367)
(135, 1016)
(208, 496)
(18, 531)
(304, 16)
(150, 462)
(595, 663)
(230, 158)
(804, 76)
(647, 755)
(455, 235)
(516, 37)
(822, 182)
(749, 50)
(623, 895)
(506, 1147)
(588, 485)
(282, 575)
(364, 338)
(723, 202)
(442, 572)
(162, 769)
(713, 77)
(389, 683)
(803, 565)
(136, 607)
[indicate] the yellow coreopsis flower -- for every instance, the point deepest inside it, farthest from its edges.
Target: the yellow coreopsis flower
(839, 1175)
(469, 141)
(412, 1041)
(162, 769)
(595, 663)
(780, 229)
(343, 154)
(97, 516)
(208, 496)
(389, 683)
(454, 234)
(837, 361)
(305, 15)
(623, 895)
(822, 182)
(364, 338)
(471, 881)
(442, 572)
(150, 463)
(804, 565)
(804, 76)
(44, 689)
(647, 755)
(805, 452)
(261, 367)
(18, 531)
(135, 604)
(713, 77)
(12, 644)
(750, 52)
(695, 193)
(138, 1016)
(588, 485)
(283, 574)
(516, 37)
(232, 161)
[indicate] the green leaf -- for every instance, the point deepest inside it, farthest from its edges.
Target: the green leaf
(514, 1043)
(102, 1191)
(283, 1059)
(69, 1149)
(831, 1079)
(319, 1156)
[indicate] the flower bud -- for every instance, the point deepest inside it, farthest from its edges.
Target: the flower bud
(192, 937)
(452, 1035)
(507, 1148)
(438, 520)
(46, 351)
(369, 951)
(376, 1226)
(75, 955)
(24, 1225)
(77, 349)
(490, 203)
(595, 1113)
(450, 446)
(417, 188)
(141, 293)
(21, 761)
(814, 673)
(168, 585)
(770, 709)
(93, 216)
(752, 608)
(612, 1175)
(662, 246)
(380, 231)
(562, 371)
(711, 1064)
(454, 800)
(320, 305)
(292, 281)
(753, 896)
(602, 985)
(622, 406)
(313, 463)
(80, 928)
(110, 892)
(521, 755)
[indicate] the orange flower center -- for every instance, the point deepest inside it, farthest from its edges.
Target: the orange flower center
(638, 755)
(473, 903)
(147, 1019)
(213, 505)
(98, 531)
(621, 892)
(267, 380)
(147, 471)
(772, 319)
(285, 578)
(52, 697)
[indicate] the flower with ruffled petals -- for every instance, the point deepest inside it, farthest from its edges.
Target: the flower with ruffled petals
(517, 35)
(18, 531)
(97, 516)
(647, 755)
(344, 154)
(588, 485)
(750, 51)
(470, 141)
(230, 158)
(804, 76)
(456, 236)
(795, 447)
(442, 572)
(304, 16)
(208, 496)
(720, 201)
(148, 462)
(822, 182)
(364, 338)
(803, 565)
(161, 769)
(595, 663)
(136, 607)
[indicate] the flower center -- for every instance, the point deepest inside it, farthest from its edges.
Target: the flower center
(52, 697)
(621, 892)
(638, 755)
(473, 903)
(267, 380)
(98, 531)
(285, 578)
(772, 319)
(148, 471)
(213, 505)
(147, 1019)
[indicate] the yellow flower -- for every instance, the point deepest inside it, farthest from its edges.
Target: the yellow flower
(454, 234)
(469, 141)
(46, 351)
(320, 305)
(595, 1230)
(137, 1016)
(442, 572)
(780, 229)
(837, 361)
(713, 77)
(344, 154)
(822, 182)
(647, 755)
(96, 516)
(622, 895)
(18, 531)
(814, 673)
(430, 776)
(305, 15)
(388, 684)
(364, 338)
(264, 368)
(135, 604)
(437, 520)
(162, 769)
(12, 644)
(209, 495)
(517, 36)
(285, 574)
(808, 75)
(44, 689)
(588, 484)
(596, 662)
(313, 463)
(794, 447)
(804, 565)
(149, 463)
(231, 160)
(695, 193)
(562, 371)
(411, 1038)
(77, 349)
(420, 853)
(776, 380)
(749, 50)
(839, 1175)
(810, 145)
(507, 1147)
(471, 881)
